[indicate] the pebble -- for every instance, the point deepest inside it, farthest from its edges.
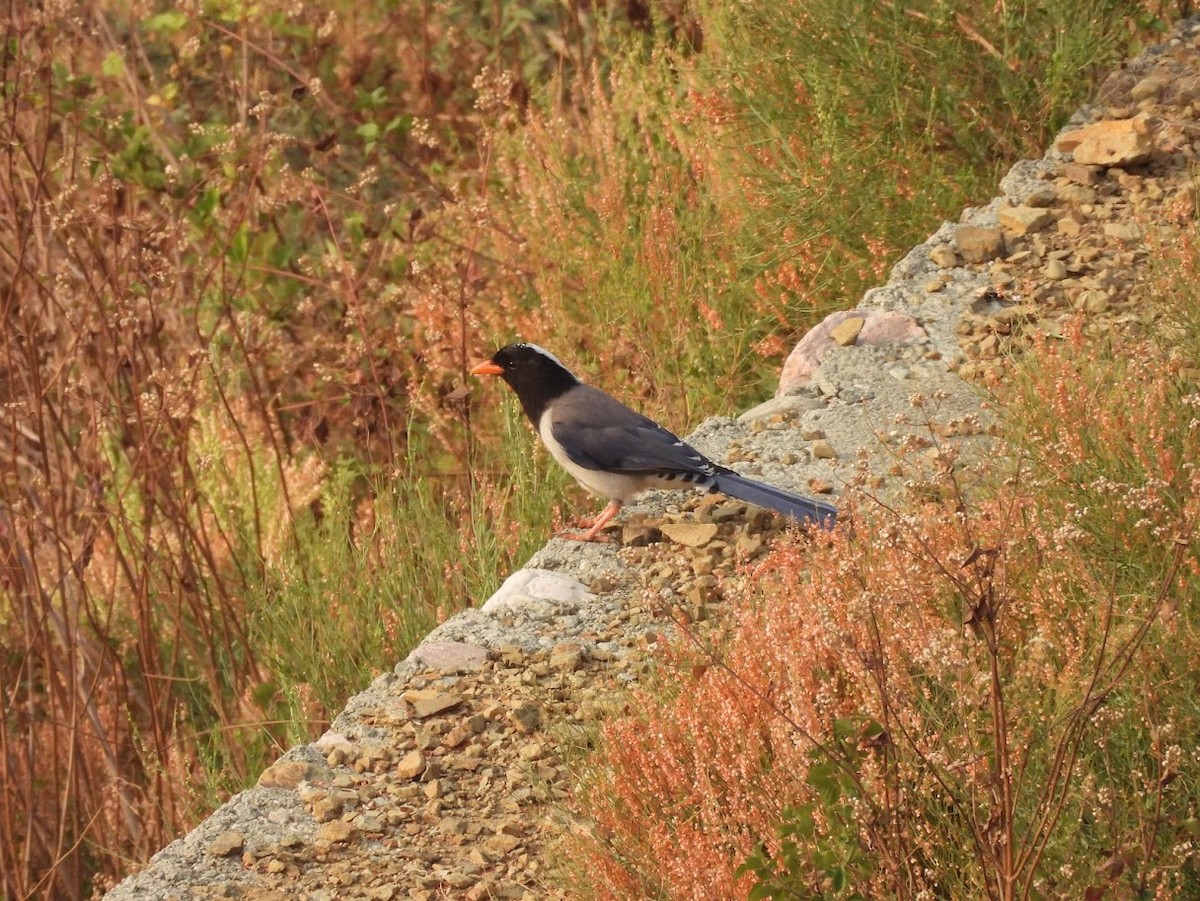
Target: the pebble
(426, 703)
(1056, 270)
(823, 450)
(411, 765)
(690, 534)
(846, 333)
(225, 844)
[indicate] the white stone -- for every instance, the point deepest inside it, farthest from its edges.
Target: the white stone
(529, 586)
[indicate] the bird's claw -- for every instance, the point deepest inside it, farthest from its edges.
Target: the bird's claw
(584, 536)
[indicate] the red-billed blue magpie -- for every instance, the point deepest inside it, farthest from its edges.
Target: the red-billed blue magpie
(615, 452)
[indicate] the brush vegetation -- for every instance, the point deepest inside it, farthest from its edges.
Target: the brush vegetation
(988, 692)
(248, 253)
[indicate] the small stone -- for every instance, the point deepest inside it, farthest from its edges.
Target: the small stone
(326, 809)
(452, 826)
(1148, 88)
(1077, 195)
(748, 545)
(846, 332)
(1042, 197)
(639, 534)
(567, 656)
(411, 765)
(369, 823)
(289, 774)
(535, 750)
(1055, 270)
(1109, 142)
(1014, 314)
(1024, 220)
(1126, 232)
(526, 717)
(943, 256)
(463, 762)
(336, 832)
(512, 654)
(690, 534)
(1079, 174)
(456, 736)
(823, 450)
(978, 244)
(225, 844)
(501, 845)
(450, 656)
(427, 702)
(1069, 226)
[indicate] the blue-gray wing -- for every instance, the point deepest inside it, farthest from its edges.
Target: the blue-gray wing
(601, 433)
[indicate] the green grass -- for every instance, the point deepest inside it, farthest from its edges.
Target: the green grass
(379, 562)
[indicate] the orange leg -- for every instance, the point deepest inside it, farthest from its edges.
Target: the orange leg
(613, 508)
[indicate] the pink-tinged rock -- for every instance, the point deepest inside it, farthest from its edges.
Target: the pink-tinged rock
(879, 327)
(1109, 142)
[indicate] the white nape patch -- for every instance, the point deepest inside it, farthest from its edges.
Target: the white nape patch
(537, 348)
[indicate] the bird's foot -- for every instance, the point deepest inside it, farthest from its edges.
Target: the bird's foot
(583, 536)
(593, 533)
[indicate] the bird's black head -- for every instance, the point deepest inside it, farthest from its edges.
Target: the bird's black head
(535, 374)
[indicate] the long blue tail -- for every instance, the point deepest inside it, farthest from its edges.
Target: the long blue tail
(802, 509)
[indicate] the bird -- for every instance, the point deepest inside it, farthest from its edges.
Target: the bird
(617, 453)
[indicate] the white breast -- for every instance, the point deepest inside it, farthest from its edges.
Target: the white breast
(611, 485)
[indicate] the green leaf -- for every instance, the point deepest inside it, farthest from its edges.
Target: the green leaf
(798, 821)
(824, 778)
(837, 879)
(845, 728)
(239, 247)
(113, 65)
(207, 204)
(402, 124)
(167, 23)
